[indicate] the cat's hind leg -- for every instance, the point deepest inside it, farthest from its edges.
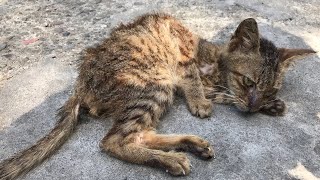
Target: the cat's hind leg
(130, 148)
(190, 143)
(125, 140)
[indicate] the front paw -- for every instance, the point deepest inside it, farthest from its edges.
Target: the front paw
(201, 108)
(274, 108)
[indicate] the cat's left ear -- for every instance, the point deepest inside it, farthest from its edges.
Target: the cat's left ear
(246, 37)
(287, 56)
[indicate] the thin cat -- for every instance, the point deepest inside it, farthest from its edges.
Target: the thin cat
(132, 78)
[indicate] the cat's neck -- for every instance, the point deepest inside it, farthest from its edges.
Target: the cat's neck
(208, 52)
(208, 58)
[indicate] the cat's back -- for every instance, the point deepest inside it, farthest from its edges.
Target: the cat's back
(146, 50)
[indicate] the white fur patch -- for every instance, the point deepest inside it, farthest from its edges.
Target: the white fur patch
(206, 69)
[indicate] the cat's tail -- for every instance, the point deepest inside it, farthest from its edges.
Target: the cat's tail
(24, 161)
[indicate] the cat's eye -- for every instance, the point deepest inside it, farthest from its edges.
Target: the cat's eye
(271, 93)
(247, 82)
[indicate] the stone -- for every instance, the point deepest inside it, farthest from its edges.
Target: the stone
(66, 33)
(3, 46)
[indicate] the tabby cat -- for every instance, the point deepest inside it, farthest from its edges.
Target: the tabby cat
(133, 75)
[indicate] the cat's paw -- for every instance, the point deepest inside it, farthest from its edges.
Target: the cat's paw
(275, 108)
(199, 147)
(176, 164)
(201, 108)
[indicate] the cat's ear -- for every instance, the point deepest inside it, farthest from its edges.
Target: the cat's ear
(288, 55)
(286, 58)
(246, 37)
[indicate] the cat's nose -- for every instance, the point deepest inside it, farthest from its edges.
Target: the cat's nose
(252, 98)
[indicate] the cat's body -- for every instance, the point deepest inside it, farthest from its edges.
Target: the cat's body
(132, 77)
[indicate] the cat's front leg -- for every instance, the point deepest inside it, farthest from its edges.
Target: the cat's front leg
(193, 90)
(276, 107)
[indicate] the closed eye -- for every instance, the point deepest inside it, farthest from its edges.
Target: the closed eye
(248, 82)
(270, 93)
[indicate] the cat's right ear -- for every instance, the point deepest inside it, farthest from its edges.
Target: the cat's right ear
(286, 55)
(246, 37)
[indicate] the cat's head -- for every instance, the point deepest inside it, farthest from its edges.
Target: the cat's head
(253, 67)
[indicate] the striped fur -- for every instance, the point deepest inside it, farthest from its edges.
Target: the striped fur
(132, 77)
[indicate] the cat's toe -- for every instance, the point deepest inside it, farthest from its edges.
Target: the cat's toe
(177, 165)
(199, 147)
(206, 153)
(275, 108)
(202, 109)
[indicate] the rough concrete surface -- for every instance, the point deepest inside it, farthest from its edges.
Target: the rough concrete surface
(40, 44)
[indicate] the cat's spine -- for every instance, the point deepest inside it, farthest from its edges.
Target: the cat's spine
(27, 159)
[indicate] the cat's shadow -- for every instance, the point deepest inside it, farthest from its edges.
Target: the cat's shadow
(33, 125)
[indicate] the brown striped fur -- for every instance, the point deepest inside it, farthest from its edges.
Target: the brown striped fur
(132, 77)
(247, 71)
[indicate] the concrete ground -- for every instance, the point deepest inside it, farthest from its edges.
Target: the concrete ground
(40, 44)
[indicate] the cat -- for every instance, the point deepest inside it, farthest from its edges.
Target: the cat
(133, 75)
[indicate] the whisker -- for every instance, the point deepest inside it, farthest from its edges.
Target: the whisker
(225, 94)
(242, 101)
(223, 87)
(227, 101)
(228, 97)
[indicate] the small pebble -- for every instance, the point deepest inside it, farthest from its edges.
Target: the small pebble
(138, 3)
(86, 35)
(58, 30)
(66, 33)
(55, 23)
(3, 66)
(8, 55)
(10, 38)
(3, 46)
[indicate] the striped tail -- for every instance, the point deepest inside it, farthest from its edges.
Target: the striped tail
(24, 161)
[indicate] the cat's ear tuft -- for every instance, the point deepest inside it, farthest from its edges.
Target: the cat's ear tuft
(286, 55)
(246, 37)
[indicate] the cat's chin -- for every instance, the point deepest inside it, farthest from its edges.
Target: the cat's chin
(247, 109)
(242, 108)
